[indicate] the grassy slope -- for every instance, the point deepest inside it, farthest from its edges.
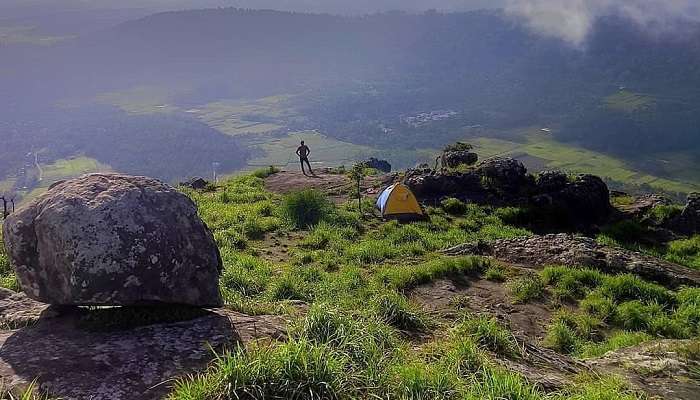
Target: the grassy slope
(357, 274)
(358, 337)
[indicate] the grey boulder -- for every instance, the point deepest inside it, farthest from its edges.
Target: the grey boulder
(109, 239)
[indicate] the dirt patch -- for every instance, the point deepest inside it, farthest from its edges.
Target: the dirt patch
(276, 247)
(483, 296)
(336, 186)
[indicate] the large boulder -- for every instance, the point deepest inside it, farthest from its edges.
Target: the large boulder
(506, 175)
(688, 222)
(453, 159)
(109, 239)
(587, 198)
(551, 181)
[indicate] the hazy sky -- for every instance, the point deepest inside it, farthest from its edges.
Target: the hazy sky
(572, 20)
(333, 6)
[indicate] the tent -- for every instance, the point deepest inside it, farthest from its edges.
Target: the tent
(398, 202)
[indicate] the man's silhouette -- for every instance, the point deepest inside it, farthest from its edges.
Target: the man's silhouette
(303, 152)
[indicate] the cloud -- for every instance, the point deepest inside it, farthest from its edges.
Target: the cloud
(572, 20)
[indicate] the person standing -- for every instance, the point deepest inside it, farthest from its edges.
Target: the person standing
(303, 152)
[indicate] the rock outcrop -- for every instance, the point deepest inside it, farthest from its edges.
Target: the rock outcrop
(662, 368)
(380, 165)
(506, 175)
(69, 361)
(577, 251)
(453, 159)
(688, 222)
(580, 200)
(108, 239)
(196, 183)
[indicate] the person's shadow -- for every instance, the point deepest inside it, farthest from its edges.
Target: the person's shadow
(72, 358)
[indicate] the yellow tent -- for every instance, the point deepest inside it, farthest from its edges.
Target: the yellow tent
(397, 201)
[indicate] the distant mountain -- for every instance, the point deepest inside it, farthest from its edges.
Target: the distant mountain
(629, 92)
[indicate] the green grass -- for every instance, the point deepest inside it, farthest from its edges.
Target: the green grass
(629, 102)
(609, 304)
(357, 337)
(617, 340)
(496, 272)
(488, 333)
(8, 279)
(305, 208)
(526, 288)
(685, 252)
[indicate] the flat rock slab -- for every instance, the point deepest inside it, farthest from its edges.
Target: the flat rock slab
(70, 362)
(662, 367)
(579, 251)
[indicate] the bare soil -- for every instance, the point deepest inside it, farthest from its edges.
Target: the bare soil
(486, 297)
(336, 186)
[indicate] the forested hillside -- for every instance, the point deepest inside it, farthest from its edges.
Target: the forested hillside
(391, 81)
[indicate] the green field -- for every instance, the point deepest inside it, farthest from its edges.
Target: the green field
(60, 170)
(141, 99)
(28, 35)
(556, 155)
(246, 117)
(629, 102)
(325, 151)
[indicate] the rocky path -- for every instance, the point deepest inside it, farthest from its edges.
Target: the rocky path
(336, 186)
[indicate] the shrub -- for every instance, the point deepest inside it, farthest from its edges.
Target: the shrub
(562, 338)
(453, 206)
(598, 305)
(497, 384)
(395, 309)
(488, 333)
(305, 208)
(618, 340)
(526, 288)
(411, 276)
(635, 315)
(630, 287)
(265, 172)
(626, 231)
(662, 213)
(496, 273)
(420, 381)
(685, 252)
(571, 283)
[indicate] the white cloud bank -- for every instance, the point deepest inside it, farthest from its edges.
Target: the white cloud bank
(572, 20)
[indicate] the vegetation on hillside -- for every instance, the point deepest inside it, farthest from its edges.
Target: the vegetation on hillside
(356, 331)
(357, 339)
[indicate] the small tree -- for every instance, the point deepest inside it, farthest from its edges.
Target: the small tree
(357, 173)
